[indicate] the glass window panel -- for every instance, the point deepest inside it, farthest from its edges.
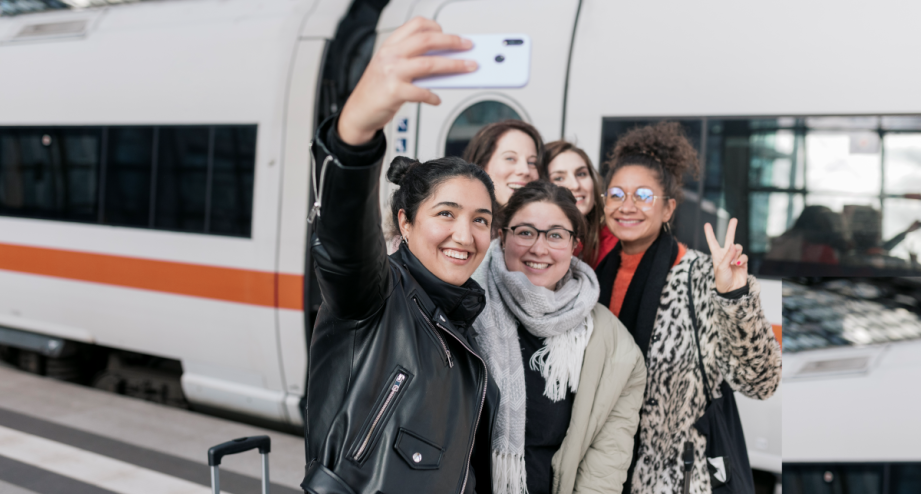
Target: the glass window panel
(776, 160)
(903, 163)
(772, 219)
(39, 187)
(182, 175)
(902, 123)
(836, 123)
(905, 478)
(232, 180)
(129, 160)
(471, 120)
(901, 237)
(49, 173)
(79, 151)
(772, 123)
(843, 162)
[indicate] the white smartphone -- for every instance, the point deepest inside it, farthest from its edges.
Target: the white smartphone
(504, 61)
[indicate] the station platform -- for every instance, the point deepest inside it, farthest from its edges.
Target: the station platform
(58, 437)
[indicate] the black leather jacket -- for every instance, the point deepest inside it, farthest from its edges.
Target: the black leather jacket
(397, 389)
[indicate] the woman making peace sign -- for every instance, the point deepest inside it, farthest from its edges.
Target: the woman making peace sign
(644, 281)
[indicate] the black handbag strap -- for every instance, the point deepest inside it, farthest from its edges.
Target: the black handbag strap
(693, 312)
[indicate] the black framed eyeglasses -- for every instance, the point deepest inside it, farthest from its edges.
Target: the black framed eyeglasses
(526, 236)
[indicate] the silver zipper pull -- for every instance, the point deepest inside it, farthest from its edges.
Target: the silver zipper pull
(398, 383)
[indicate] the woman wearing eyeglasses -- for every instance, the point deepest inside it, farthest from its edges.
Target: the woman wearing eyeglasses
(571, 378)
(644, 281)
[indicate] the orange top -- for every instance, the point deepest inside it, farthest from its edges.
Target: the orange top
(628, 265)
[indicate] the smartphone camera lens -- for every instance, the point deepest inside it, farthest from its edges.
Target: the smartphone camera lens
(500, 58)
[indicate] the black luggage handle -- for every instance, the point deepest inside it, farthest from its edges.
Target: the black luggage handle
(239, 445)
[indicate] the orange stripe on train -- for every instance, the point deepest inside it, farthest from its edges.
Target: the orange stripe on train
(243, 286)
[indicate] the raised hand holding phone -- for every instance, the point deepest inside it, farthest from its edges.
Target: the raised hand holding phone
(386, 83)
(730, 265)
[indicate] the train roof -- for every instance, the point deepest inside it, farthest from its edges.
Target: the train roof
(119, 65)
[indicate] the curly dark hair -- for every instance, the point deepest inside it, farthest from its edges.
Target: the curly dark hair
(661, 147)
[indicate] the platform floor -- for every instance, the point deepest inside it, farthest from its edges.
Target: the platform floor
(57, 437)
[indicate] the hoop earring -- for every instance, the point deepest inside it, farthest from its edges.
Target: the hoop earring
(406, 241)
(667, 227)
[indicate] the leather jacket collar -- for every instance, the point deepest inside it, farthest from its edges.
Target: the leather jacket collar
(462, 304)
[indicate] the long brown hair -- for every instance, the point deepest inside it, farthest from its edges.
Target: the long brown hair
(595, 217)
(480, 149)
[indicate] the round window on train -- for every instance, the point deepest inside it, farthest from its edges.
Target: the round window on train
(471, 120)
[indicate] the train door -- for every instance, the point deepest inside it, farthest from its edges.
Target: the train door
(326, 66)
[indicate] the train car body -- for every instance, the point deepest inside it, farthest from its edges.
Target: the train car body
(849, 422)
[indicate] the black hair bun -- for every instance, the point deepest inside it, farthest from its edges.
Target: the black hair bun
(399, 167)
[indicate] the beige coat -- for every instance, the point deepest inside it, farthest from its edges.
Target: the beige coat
(598, 447)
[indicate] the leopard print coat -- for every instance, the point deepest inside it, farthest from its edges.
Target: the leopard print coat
(738, 346)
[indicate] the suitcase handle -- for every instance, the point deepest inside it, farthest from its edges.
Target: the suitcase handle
(239, 445)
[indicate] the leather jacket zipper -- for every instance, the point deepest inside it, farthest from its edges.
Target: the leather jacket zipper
(479, 410)
(444, 347)
(317, 187)
(394, 389)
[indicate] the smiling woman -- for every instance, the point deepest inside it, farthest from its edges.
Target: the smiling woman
(443, 210)
(544, 338)
(509, 151)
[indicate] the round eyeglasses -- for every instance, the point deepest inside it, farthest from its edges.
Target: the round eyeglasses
(526, 236)
(643, 195)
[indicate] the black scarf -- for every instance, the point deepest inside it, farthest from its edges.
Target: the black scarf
(641, 302)
(462, 304)
(638, 313)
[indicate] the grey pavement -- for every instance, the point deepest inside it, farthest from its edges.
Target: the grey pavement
(156, 437)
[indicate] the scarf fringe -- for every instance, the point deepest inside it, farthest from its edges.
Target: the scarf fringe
(508, 474)
(559, 361)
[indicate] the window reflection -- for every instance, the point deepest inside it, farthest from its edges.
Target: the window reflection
(815, 196)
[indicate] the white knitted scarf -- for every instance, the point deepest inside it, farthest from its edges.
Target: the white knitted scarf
(563, 318)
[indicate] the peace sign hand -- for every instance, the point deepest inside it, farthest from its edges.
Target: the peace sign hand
(730, 265)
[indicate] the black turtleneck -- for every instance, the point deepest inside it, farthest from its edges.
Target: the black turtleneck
(462, 304)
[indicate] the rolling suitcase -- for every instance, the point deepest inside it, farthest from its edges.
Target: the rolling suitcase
(263, 443)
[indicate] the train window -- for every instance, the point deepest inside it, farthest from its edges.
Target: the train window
(50, 173)
(129, 167)
(182, 178)
(183, 155)
(905, 478)
(815, 196)
(471, 120)
(232, 180)
(843, 478)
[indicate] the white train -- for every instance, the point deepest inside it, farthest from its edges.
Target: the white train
(154, 158)
(850, 416)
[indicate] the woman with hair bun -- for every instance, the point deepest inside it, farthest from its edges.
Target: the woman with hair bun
(644, 281)
(567, 165)
(510, 152)
(397, 389)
